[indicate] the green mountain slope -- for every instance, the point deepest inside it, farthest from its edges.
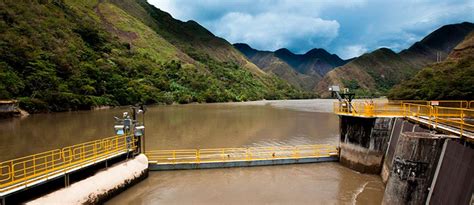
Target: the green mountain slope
(269, 63)
(373, 74)
(74, 54)
(452, 79)
(190, 37)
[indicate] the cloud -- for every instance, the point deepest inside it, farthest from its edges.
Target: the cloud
(270, 31)
(352, 51)
(344, 27)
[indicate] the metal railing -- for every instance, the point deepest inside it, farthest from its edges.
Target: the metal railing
(240, 154)
(459, 116)
(21, 171)
(440, 103)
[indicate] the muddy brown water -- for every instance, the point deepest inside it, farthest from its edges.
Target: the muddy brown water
(263, 123)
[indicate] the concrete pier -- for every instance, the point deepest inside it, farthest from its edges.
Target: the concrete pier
(363, 142)
(413, 168)
(100, 187)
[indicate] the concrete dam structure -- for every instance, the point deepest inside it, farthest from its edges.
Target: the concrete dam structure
(420, 162)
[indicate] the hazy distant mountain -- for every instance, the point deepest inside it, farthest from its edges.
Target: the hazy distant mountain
(315, 62)
(300, 70)
(269, 63)
(378, 71)
(451, 79)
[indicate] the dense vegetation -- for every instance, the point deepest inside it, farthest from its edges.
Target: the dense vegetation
(451, 80)
(57, 56)
(374, 74)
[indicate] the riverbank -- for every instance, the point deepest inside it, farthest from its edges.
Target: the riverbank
(9, 109)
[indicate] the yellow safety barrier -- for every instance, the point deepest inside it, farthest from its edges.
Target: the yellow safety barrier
(240, 154)
(458, 116)
(21, 171)
(441, 103)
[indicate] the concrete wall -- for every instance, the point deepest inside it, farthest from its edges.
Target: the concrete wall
(413, 168)
(400, 126)
(7, 107)
(212, 165)
(363, 142)
(412, 160)
(454, 182)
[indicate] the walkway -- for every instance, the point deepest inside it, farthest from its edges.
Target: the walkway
(456, 118)
(29, 171)
(240, 157)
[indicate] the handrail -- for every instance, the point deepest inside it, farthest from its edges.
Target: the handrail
(239, 154)
(442, 103)
(460, 117)
(28, 169)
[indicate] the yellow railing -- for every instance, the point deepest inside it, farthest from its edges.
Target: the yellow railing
(17, 172)
(240, 154)
(440, 103)
(458, 116)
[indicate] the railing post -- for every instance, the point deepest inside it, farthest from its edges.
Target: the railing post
(52, 159)
(462, 122)
(174, 156)
(295, 152)
(82, 152)
(94, 151)
(34, 164)
(430, 114)
(249, 157)
(418, 113)
(24, 169)
(197, 156)
(223, 154)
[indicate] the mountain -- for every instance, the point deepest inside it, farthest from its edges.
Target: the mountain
(438, 43)
(302, 71)
(190, 37)
(373, 74)
(315, 62)
(269, 63)
(452, 79)
(76, 54)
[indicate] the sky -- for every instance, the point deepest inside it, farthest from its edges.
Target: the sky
(347, 28)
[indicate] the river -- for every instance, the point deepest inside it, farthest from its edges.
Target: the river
(262, 123)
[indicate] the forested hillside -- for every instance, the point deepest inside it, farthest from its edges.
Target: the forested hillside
(300, 70)
(75, 54)
(452, 79)
(375, 73)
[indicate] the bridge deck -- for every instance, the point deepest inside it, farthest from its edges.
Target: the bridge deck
(442, 127)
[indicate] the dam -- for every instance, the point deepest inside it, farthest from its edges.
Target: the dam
(273, 155)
